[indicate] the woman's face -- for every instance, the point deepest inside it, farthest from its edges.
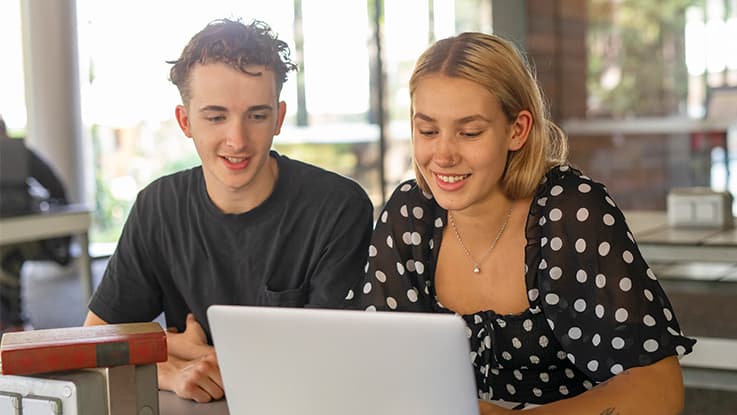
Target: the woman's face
(461, 138)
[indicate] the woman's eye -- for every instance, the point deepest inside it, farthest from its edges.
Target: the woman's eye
(471, 133)
(427, 132)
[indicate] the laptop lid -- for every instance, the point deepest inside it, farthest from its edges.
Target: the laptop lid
(286, 361)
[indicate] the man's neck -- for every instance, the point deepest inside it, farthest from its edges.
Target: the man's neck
(248, 198)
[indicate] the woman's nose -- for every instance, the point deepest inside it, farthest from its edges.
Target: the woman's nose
(445, 151)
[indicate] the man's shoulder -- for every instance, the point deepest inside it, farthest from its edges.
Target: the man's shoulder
(164, 187)
(319, 179)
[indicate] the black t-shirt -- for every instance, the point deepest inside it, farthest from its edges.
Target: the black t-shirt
(304, 246)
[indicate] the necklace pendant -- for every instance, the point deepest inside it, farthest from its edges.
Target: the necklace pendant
(476, 269)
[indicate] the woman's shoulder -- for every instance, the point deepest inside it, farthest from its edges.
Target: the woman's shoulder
(409, 205)
(567, 176)
(564, 185)
(409, 191)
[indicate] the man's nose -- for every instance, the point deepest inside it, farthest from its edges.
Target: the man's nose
(237, 135)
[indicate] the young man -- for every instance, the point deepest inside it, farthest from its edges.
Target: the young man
(248, 226)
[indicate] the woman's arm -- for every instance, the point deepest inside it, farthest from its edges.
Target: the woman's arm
(608, 292)
(653, 389)
(656, 389)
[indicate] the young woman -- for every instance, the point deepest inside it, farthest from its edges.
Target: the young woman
(564, 315)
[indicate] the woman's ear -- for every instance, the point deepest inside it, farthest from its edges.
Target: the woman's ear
(520, 130)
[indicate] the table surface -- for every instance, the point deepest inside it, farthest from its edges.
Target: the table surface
(171, 404)
(59, 221)
(64, 220)
(650, 226)
(660, 242)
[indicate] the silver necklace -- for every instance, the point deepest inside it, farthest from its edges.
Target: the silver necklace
(477, 264)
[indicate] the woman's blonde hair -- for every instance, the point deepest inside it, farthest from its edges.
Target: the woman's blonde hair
(497, 65)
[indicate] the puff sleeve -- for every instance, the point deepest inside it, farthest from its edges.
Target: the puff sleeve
(599, 295)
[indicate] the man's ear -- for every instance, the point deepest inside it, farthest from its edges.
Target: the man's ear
(520, 130)
(183, 119)
(282, 112)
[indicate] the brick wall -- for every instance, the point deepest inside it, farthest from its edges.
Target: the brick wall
(556, 47)
(638, 170)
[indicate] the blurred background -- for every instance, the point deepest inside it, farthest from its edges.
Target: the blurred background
(645, 89)
(619, 74)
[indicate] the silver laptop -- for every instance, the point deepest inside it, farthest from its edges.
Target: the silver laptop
(286, 361)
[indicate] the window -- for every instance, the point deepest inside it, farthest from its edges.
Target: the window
(655, 65)
(659, 58)
(12, 97)
(128, 102)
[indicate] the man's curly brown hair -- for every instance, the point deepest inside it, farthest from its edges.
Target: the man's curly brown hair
(237, 45)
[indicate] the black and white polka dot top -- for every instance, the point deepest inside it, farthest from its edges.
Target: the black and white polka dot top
(596, 307)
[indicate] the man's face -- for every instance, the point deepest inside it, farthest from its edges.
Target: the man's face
(232, 118)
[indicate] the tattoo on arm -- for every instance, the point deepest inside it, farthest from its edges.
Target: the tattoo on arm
(611, 411)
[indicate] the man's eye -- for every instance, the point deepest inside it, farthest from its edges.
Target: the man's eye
(259, 117)
(216, 118)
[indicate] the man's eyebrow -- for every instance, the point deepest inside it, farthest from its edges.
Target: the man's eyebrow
(260, 108)
(217, 108)
(220, 108)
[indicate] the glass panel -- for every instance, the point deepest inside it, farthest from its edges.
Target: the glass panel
(336, 60)
(337, 134)
(654, 63)
(12, 97)
(637, 58)
(659, 58)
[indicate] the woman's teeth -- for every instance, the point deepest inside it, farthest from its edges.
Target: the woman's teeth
(452, 179)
